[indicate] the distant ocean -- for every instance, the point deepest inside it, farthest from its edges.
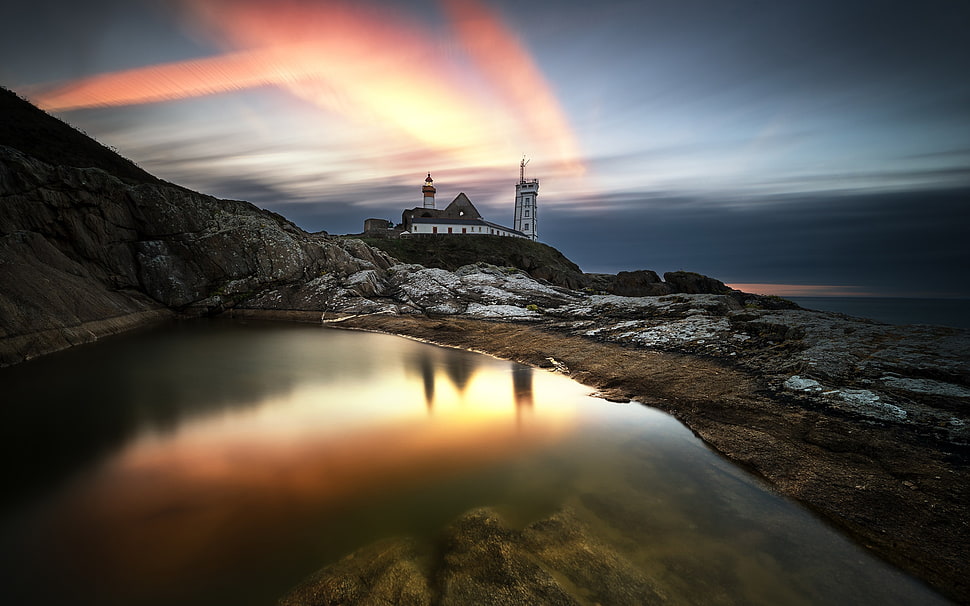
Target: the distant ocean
(942, 312)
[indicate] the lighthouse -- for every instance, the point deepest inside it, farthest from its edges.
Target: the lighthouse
(525, 204)
(428, 191)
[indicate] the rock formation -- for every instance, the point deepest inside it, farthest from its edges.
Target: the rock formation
(85, 254)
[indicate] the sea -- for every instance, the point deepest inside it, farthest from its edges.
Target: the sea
(940, 312)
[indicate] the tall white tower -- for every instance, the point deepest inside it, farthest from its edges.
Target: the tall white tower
(428, 191)
(526, 193)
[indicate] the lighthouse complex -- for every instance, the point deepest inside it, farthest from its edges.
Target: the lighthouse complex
(461, 217)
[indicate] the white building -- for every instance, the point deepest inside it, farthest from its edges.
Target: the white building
(526, 193)
(462, 218)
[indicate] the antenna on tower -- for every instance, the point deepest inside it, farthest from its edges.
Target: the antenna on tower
(522, 169)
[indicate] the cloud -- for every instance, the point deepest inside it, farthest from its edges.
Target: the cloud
(352, 61)
(889, 243)
(513, 74)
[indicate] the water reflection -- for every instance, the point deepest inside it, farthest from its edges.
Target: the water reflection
(522, 391)
(427, 377)
(242, 449)
(459, 371)
(219, 464)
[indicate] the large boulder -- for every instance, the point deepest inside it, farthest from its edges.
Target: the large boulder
(639, 283)
(688, 282)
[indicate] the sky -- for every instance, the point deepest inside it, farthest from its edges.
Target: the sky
(794, 148)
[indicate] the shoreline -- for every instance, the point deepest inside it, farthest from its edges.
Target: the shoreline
(838, 467)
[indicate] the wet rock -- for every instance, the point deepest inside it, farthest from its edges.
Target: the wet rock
(478, 559)
(390, 572)
(603, 576)
(486, 563)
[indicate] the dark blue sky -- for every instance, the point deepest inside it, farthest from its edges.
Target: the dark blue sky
(809, 143)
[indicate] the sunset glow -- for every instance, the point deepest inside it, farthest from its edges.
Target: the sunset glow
(802, 290)
(363, 66)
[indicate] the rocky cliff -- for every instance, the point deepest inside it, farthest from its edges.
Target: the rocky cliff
(82, 254)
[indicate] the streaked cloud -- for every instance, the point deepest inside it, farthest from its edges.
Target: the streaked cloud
(365, 65)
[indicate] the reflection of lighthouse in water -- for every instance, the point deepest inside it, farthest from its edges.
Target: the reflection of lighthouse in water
(427, 376)
(460, 370)
(522, 390)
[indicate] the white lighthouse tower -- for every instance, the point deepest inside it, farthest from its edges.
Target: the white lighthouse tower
(428, 190)
(526, 193)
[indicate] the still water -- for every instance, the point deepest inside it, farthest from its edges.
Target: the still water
(219, 463)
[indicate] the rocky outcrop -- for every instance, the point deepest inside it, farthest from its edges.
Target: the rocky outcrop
(691, 283)
(639, 283)
(539, 260)
(79, 246)
(914, 375)
(480, 560)
(646, 283)
(480, 289)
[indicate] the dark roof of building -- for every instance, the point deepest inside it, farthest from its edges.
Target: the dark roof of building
(462, 205)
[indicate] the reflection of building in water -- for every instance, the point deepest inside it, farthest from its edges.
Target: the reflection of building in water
(522, 389)
(427, 375)
(460, 370)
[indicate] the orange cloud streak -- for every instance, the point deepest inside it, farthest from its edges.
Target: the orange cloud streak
(363, 65)
(511, 71)
(164, 82)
